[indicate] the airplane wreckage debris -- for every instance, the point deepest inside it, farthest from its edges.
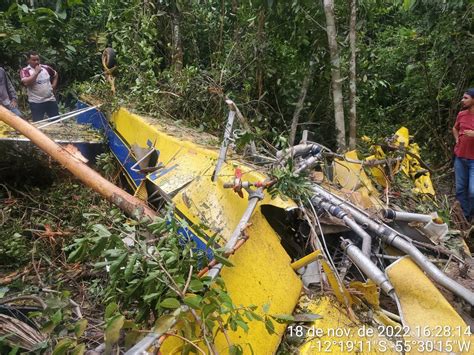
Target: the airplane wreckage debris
(340, 233)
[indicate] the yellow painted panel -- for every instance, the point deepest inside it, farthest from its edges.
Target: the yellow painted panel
(336, 333)
(262, 273)
(428, 317)
(352, 177)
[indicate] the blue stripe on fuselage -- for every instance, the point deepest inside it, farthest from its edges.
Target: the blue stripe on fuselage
(97, 120)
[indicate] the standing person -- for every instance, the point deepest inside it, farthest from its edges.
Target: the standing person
(463, 132)
(8, 98)
(40, 81)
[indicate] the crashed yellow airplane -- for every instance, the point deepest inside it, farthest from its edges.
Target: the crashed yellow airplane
(267, 240)
(270, 269)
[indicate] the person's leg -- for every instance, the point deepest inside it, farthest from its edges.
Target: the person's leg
(37, 111)
(461, 173)
(471, 189)
(52, 109)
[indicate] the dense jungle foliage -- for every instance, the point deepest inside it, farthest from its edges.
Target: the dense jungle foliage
(180, 58)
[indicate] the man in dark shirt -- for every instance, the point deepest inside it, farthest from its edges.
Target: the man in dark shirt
(463, 132)
(8, 98)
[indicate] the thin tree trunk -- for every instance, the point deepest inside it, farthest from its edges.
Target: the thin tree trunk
(260, 39)
(131, 205)
(221, 28)
(176, 43)
(299, 106)
(335, 74)
(235, 12)
(353, 77)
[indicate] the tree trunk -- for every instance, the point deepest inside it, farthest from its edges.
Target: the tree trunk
(335, 74)
(353, 77)
(176, 43)
(221, 29)
(299, 105)
(259, 54)
(235, 21)
(131, 205)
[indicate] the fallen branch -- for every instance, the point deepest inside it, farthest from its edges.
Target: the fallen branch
(15, 275)
(131, 205)
(17, 333)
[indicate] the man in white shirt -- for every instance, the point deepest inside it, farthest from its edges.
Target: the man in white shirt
(40, 81)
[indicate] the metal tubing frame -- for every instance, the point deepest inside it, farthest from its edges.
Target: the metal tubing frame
(64, 117)
(366, 238)
(142, 346)
(368, 266)
(225, 144)
(254, 198)
(408, 216)
(390, 236)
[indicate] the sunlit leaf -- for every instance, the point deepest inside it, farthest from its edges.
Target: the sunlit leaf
(63, 346)
(170, 303)
(80, 327)
(112, 331)
(193, 301)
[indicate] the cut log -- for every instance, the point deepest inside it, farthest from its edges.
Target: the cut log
(129, 204)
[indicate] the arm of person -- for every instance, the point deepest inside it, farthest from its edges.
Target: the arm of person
(30, 80)
(456, 134)
(11, 92)
(54, 83)
(469, 132)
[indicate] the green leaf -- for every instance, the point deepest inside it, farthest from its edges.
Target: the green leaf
(266, 307)
(196, 285)
(283, 318)
(131, 338)
(79, 350)
(226, 300)
(101, 231)
(170, 303)
(269, 326)
(62, 15)
(57, 317)
(223, 260)
(151, 296)
(77, 254)
(209, 324)
(48, 327)
(80, 327)
(118, 263)
(112, 331)
(63, 346)
(236, 350)
(110, 310)
(242, 325)
(164, 323)
(256, 316)
(16, 38)
(208, 309)
(193, 301)
(130, 266)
